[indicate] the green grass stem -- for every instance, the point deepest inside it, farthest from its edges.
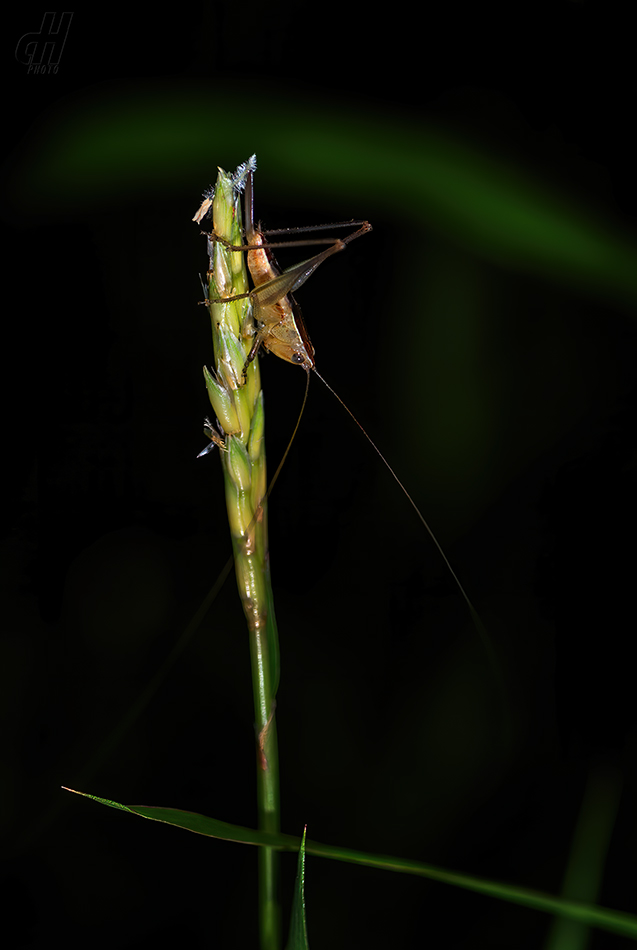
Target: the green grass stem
(238, 405)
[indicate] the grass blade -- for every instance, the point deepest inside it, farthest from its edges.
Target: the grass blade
(297, 939)
(613, 921)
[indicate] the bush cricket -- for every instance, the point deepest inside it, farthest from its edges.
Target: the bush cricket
(276, 321)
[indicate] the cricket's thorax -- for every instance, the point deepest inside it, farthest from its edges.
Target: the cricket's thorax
(261, 267)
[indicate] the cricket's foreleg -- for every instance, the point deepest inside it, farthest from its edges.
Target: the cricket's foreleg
(290, 280)
(259, 337)
(267, 245)
(228, 299)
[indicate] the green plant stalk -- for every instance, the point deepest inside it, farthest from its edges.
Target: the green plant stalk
(238, 405)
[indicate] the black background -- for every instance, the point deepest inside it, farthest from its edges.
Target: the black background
(392, 739)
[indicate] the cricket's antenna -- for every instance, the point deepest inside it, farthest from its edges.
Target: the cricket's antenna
(292, 438)
(407, 496)
(477, 622)
(248, 224)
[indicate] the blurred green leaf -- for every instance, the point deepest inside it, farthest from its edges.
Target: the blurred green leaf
(150, 140)
(591, 840)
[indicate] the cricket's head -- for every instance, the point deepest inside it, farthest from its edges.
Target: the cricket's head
(289, 339)
(297, 356)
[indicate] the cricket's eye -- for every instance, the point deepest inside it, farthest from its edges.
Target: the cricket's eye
(298, 358)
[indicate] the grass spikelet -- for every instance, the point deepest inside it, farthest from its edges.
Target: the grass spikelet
(234, 388)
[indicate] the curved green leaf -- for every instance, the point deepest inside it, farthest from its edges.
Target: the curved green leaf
(151, 141)
(593, 916)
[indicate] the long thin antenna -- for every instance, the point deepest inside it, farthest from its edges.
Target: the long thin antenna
(402, 488)
(480, 627)
(292, 437)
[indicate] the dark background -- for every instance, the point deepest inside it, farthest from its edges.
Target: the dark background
(496, 371)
